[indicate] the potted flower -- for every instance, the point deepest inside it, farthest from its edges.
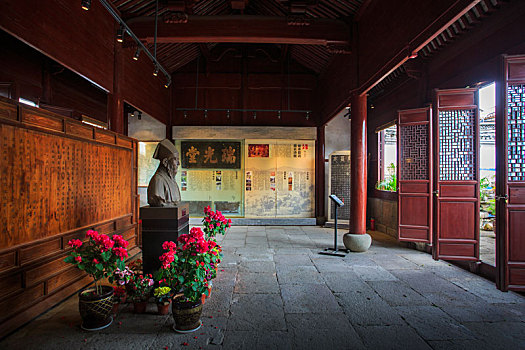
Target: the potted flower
(100, 256)
(214, 223)
(163, 298)
(184, 268)
(119, 296)
(139, 290)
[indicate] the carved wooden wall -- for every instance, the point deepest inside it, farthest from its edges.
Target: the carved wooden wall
(59, 178)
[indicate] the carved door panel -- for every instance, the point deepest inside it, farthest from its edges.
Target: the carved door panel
(456, 175)
(414, 173)
(510, 174)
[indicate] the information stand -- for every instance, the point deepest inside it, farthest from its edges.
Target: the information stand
(335, 251)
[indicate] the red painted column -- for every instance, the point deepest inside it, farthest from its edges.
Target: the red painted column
(358, 160)
(115, 102)
(319, 177)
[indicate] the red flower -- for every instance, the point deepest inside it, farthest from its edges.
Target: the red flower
(78, 258)
(75, 243)
(95, 261)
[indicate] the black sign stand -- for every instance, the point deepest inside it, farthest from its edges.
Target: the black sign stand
(334, 251)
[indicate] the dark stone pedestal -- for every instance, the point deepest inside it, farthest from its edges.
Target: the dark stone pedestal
(160, 224)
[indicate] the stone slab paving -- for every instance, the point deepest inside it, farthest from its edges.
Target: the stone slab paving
(274, 291)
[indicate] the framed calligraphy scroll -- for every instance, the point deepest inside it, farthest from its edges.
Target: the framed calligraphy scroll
(210, 155)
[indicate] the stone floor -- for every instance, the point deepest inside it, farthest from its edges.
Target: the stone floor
(487, 247)
(275, 292)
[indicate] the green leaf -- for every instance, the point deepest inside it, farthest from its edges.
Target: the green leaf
(106, 255)
(99, 266)
(69, 260)
(81, 266)
(181, 279)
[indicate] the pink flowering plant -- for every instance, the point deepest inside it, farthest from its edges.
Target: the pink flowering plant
(140, 287)
(214, 223)
(100, 256)
(186, 266)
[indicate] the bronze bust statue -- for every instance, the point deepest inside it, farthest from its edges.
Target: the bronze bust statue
(162, 189)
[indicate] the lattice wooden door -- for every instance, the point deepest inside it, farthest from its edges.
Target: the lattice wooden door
(510, 174)
(456, 175)
(414, 173)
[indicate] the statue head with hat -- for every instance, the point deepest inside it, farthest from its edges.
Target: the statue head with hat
(168, 156)
(162, 188)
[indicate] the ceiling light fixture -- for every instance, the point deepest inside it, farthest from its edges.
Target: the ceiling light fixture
(413, 55)
(120, 34)
(279, 115)
(307, 115)
(86, 4)
(205, 113)
(156, 71)
(185, 114)
(167, 83)
(137, 54)
(254, 115)
(228, 114)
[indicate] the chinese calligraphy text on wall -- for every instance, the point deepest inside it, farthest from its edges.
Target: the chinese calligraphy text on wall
(205, 154)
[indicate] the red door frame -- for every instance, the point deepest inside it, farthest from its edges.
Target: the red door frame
(456, 201)
(414, 195)
(510, 195)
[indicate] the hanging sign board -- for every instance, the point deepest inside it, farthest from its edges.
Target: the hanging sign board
(210, 155)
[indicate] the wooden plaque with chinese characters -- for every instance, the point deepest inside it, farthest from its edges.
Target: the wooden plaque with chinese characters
(59, 178)
(210, 155)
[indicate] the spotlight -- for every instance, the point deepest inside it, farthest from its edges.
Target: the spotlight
(413, 55)
(307, 115)
(254, 115)
(120, 34)
(279, 115)
(86, 4)
(156, 71)
(185, 114)
(205, 113)
(228, 114)
(167, 83)
(137, 54)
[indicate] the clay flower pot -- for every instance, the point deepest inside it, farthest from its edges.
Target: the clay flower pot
(139, 307)
(95, 309)
(187, 316)
(163, 309)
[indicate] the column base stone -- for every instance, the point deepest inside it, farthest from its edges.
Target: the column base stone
(357, 243)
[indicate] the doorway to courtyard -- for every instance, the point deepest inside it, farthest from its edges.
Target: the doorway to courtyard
(487, 168)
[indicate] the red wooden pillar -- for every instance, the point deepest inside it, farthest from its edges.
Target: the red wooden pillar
(320, 174)
(115, 102)
(358, 173)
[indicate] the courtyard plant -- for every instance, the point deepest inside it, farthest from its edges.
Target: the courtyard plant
(100, 256)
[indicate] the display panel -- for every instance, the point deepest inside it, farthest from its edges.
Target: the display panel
(147, 165)
(220, 187)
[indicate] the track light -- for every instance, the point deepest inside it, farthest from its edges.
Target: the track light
(86, 4)
(228, 114)
(120, 34)
(205, 113)
(254, 115)
(279, 115)
(156, 71)
(137, 54)
(307, 115)
(412, 55)
(185, 114)
(167, 83)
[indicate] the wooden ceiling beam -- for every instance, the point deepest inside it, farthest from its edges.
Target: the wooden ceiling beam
(245, 29)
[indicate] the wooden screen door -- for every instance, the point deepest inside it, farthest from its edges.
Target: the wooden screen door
(510, 174)
(456, 175)
(414, 174)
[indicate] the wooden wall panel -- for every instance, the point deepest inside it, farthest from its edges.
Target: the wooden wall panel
(56, 183)
(143, 90)
(81, 40)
